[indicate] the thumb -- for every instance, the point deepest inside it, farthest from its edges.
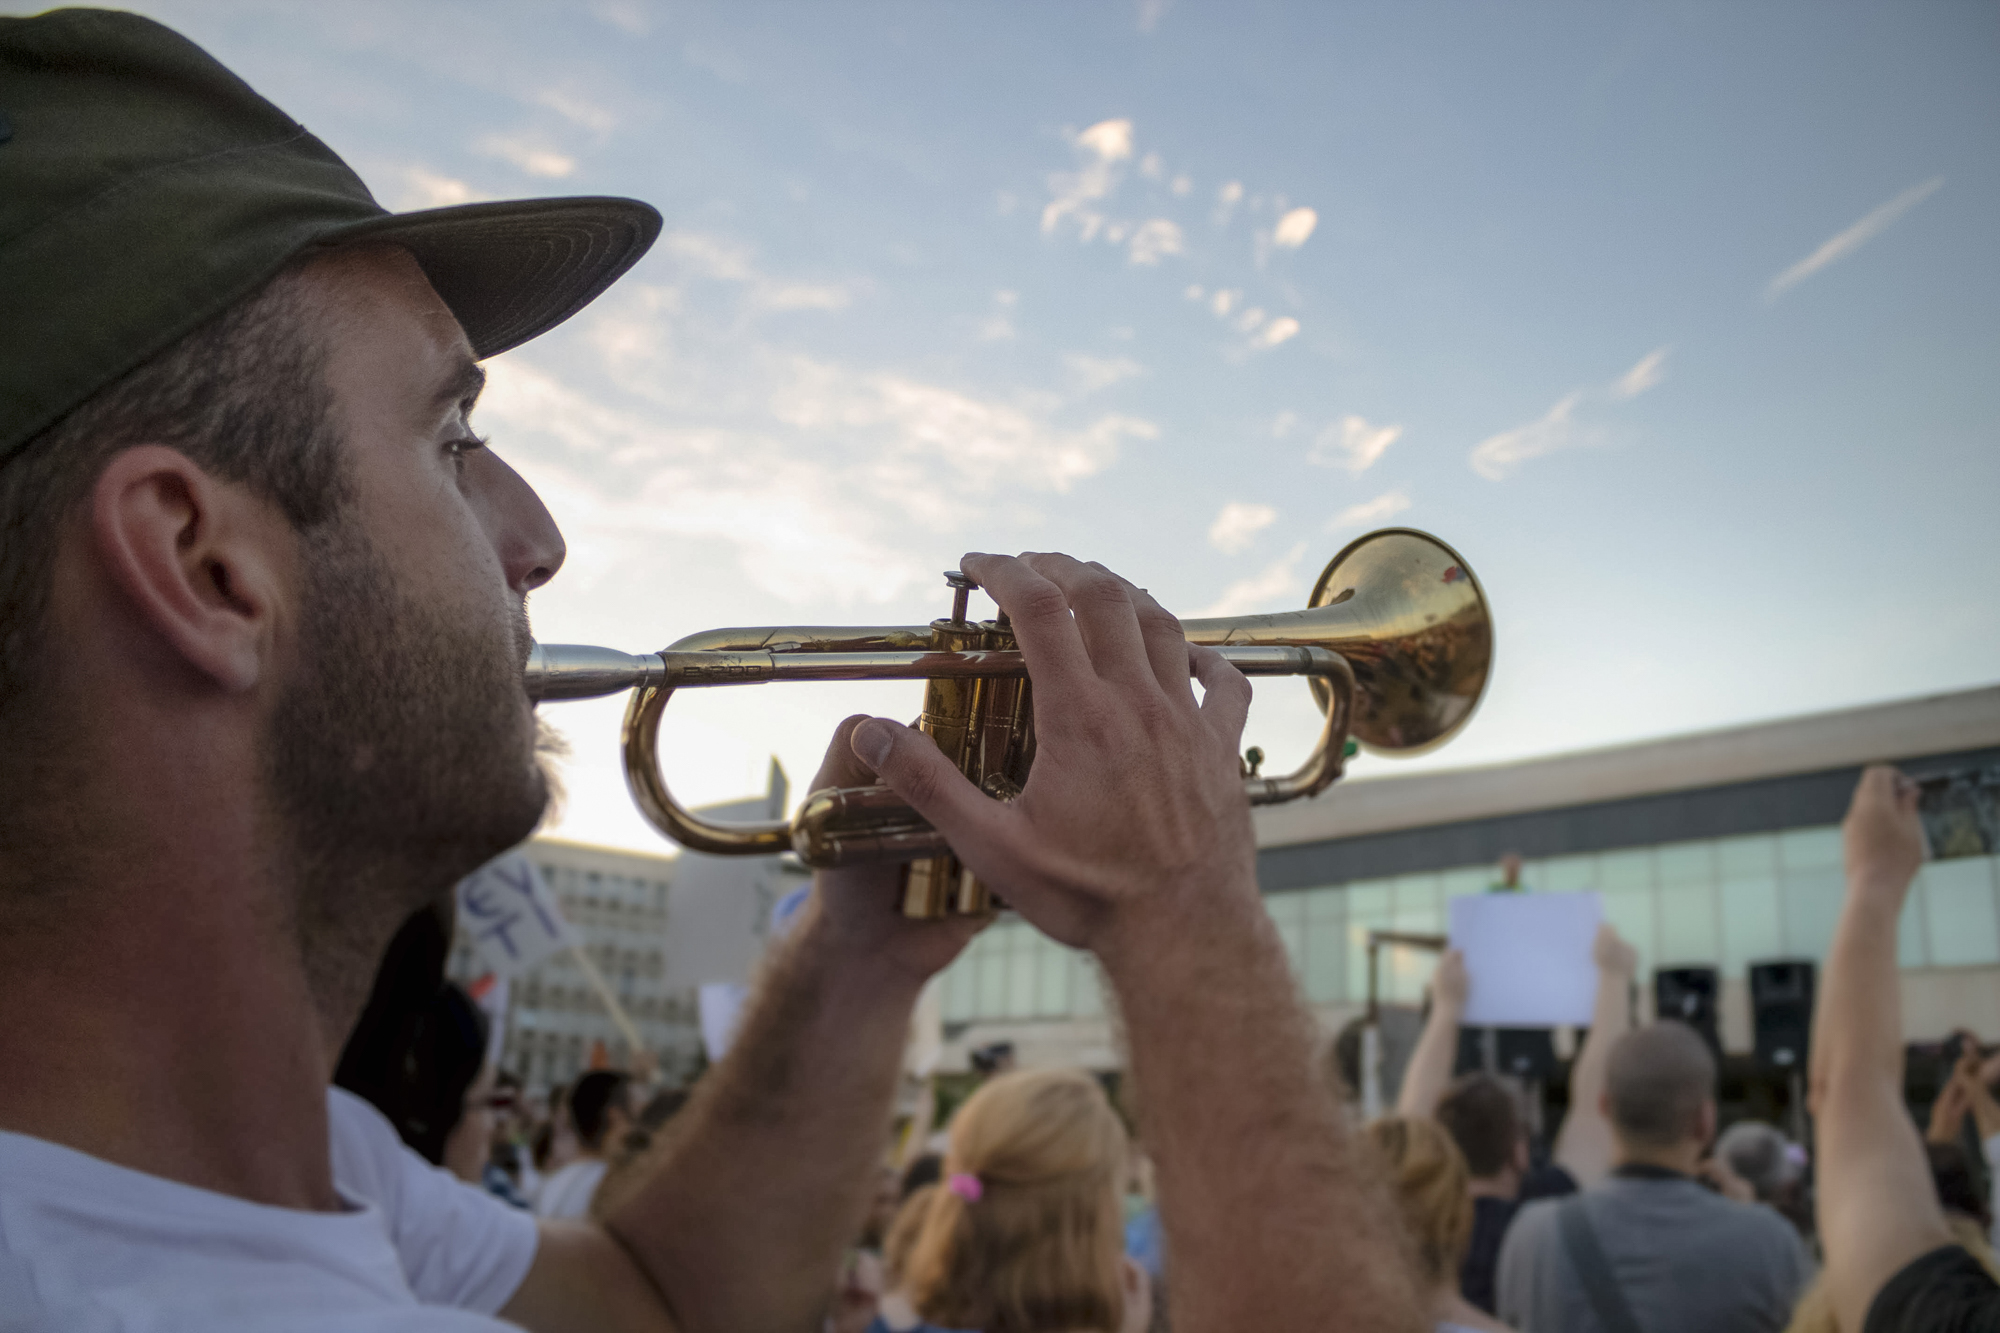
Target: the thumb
(911, 765)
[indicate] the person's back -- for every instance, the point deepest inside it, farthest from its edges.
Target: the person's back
(1676, 1256)
(1684, 1257)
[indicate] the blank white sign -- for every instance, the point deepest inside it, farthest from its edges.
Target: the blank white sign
(1527, 957)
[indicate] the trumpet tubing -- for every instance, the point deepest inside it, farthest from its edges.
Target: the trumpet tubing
(1396, 641)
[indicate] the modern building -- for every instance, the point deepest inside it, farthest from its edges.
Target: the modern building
(1718, 849)
(618, 903)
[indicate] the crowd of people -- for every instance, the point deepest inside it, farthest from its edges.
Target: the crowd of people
(262, 632)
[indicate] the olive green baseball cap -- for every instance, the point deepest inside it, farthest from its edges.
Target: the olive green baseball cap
(144, 189)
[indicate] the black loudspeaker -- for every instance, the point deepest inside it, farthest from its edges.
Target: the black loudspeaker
(1526, 1052)
(1688, 995)
(1781, 1007)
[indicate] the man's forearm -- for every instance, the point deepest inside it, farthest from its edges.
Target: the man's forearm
(1584, 1146)
(1877, 1207)
(1428, 1073)
(1276, 1223)
(768, 1171)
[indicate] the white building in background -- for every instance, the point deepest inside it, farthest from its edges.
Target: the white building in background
(619, 905)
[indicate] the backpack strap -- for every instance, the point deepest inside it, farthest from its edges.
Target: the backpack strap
(1586, 1256)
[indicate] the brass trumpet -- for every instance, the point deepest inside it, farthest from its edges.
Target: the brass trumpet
(1396, 642)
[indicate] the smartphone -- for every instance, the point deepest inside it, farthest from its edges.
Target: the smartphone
(1961, 812)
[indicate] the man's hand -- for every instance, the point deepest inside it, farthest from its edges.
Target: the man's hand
(1882, 837)
(1948, 1112)
(1135, 795)
(859, 903)
(1613, 956)
(1450, 985)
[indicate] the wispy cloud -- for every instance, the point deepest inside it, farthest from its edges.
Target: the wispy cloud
(1650, 370)
(1077, 194)
(1353, 444)
(1237, 526)
(1278, 330)
(420, 187)
(1267, 589)
(1151, 12)
(1226, 200)
(999, 326)
(826, 479)
(702, 254)
(1369, 511)
(1853, 238)
(1100, 372)
(1156, 239)
(577, 110)
(1498, 455)
(1294, 228)
(526, 154)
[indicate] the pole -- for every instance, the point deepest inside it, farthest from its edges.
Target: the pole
(619, 1018)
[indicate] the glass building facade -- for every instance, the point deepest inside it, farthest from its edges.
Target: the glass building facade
(1713, 902)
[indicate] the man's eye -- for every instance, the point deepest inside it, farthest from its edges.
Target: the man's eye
(463, 446)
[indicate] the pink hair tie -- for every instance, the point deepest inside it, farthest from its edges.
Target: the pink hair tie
(966, 1187)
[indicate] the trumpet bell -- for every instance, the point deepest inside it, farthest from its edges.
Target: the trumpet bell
(1409, 617)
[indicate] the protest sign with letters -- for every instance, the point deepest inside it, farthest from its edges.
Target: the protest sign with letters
(509, 913)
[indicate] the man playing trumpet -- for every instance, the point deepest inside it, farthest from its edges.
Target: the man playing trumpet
(262, 627)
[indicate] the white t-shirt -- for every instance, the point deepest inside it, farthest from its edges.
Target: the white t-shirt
(567, 1193)
(89, 1247)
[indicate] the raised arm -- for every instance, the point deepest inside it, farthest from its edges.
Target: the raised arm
(1133, 839)
(1429, 1072)
(1584, 1146)
(1878, 1209)
(760, 1185)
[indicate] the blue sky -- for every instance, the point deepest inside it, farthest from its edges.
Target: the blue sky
(1682, 322)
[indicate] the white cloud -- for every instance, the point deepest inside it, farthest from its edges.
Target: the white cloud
(1237, 526)
(1353, 444)
(577, 111)
(1226, 200)
(722, 260)
(1250, 319)
(1282, 424)
(424, 188)
(1369, 512)
(1293, 228)
(1496, 456)
(1153, 167)
(1266, 590)
(527, 155)
(1182, 184)
(1150, 13)
(1154, 240)
(1223, 302)
(1277, 331)
(999, 326)
(1194, 291)
(1649, 371)
(1077, 194)
(1853, 238)
(628, 16)
(1101, 372)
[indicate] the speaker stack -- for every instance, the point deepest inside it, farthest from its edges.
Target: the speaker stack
(1688, 995)
(1781, 1007)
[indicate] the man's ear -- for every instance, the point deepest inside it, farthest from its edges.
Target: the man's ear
(1709, 1118)
(198, 559)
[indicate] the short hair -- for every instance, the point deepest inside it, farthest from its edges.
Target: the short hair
(1428, 1175)
(1761, 1154)
(591, 1102)
(243, 395)
(1656, 1082)
(1481, 1116)
(1042, 1245)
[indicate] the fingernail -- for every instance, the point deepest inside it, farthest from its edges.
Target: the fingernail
(873, 742)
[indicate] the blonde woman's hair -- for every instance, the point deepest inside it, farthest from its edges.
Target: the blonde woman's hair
(1428, 1175)
(901, 1237)
(1042, 1247)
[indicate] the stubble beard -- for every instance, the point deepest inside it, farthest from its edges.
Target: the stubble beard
(402, 758)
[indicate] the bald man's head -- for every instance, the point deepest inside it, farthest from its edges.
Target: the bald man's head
(1658, 1083)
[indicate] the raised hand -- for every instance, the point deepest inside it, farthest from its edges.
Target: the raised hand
(1882, 838)
(1135, 796)
(1613, 956)
(1450, 985)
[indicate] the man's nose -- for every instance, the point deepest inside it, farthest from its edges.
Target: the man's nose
(523, 533)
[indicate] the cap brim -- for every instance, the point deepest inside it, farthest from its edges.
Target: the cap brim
(514, 269)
